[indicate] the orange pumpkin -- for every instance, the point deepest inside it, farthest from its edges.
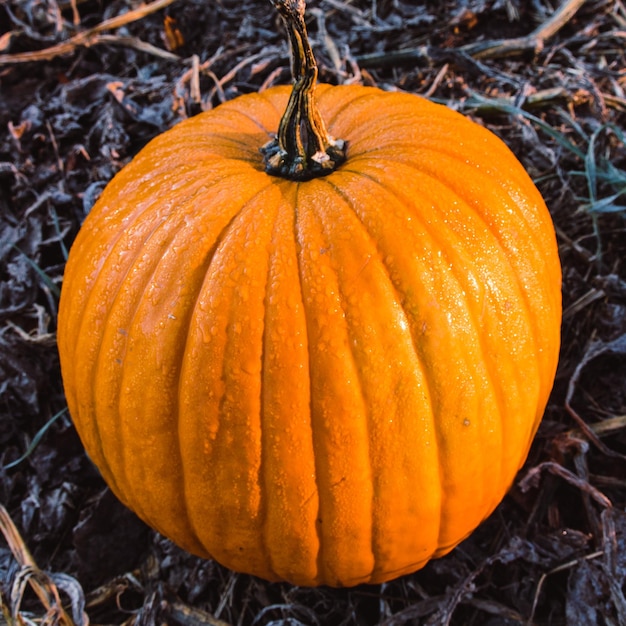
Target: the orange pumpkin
(328, 381)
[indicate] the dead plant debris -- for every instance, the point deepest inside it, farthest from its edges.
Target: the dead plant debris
(85, 84)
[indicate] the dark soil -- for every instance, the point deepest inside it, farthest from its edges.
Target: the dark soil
(554, 552)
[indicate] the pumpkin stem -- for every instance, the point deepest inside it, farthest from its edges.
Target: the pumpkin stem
(303, 149)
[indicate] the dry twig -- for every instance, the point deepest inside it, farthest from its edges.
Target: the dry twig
(534, 473)
(533, 42)
(490, 49)
(559, 568)
(93, 36)
(40, 582)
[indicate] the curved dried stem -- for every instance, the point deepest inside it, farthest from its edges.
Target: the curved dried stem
(303, 148)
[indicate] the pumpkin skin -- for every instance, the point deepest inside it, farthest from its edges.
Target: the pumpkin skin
(323, 382)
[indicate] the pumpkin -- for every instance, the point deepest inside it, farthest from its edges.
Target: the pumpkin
(327, 372)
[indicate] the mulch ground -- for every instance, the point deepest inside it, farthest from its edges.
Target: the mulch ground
(84, 84)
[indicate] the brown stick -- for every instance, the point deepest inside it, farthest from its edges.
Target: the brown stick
(92, 36)
(491, 49)
(26, 562)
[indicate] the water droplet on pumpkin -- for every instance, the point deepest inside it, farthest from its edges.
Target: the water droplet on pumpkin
(353, 299)
(250, 366)
(244, 292)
